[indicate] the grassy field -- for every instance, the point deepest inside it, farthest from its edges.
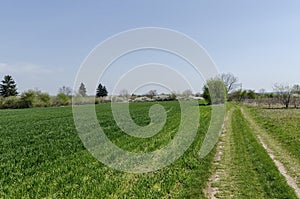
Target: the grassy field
(283, 125)
(42, 156)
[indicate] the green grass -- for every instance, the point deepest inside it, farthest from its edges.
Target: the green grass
(283, 125)
(42, 156)
(248, 171)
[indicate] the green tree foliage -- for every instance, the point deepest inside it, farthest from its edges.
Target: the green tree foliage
(36, 98)
(11, 102)
(251, 94)
(101, 91)
(29, 98)
(62, 100)
(82, 90)
(215, 92)
(172, 96)
(241, 95)
(44, 98)
(8, 87)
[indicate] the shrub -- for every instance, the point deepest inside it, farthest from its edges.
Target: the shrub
(214, 92)
(13, 102)
(43, 100)
(29, 97)
(35, 98)
(62, 100)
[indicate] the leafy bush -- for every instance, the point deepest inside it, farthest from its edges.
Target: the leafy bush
(36, 98)
(62, 100)
(215, 92)
(43, 99)
(29, 97)
(13, 102)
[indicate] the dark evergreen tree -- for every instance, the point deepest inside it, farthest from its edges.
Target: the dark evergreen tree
(206, 94)
(101, 91)
(8, 87)
(82, 90)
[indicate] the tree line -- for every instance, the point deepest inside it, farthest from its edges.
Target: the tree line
(10, 98)
(282, 96)
(220, 89)
(223, 88)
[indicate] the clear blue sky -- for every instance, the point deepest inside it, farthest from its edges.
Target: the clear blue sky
(42, 43)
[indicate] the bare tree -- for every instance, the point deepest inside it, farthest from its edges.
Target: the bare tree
(271, 99)
(187, 92)
(152, 93)
(124, 93)
(296, 96)
(295, 100)
(229, 81)
(296, 89)
(284, 93)
(65, 90)
(262, 91)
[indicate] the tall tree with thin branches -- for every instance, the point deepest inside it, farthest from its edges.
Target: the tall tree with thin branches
(229, 81)
(284, 93)
(65, 90)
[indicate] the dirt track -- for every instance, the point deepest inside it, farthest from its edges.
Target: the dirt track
(262, 136)
(288, 166)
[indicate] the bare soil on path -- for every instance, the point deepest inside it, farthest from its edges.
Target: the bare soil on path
(211, 190)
